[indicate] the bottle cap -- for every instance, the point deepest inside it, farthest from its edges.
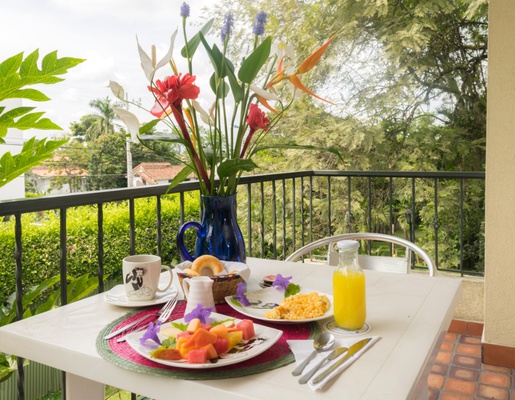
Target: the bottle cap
(348, 244)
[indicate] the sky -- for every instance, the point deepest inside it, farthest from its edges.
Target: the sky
(101, 31)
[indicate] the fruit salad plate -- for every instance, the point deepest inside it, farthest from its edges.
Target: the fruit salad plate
(263, 339)
(263, 300)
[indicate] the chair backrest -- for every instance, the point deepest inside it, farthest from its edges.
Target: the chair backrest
(380, 263)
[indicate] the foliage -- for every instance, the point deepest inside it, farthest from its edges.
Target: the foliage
(16, 75)
(393, 66)
(40, 245)
(236, 124)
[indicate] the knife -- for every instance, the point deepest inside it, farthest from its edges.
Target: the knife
(128, 326)
(356, 347)
(334, 354)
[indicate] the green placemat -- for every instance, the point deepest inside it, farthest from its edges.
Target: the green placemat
(122, 355)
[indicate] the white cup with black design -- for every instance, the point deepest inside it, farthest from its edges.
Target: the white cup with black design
(141, 275)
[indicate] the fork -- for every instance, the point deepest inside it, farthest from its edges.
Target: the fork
(164, 313)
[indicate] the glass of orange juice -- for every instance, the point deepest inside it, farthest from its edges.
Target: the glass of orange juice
(349, 294)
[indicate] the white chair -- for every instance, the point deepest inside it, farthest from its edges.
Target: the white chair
(378, 263)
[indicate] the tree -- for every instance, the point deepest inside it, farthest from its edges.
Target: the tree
(101, 123)
(394, 63)
(16, 75)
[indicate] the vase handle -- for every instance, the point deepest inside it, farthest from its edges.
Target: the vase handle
(183, 252)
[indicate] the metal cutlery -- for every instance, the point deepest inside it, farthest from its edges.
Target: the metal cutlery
(162, 318)
(164, 312)
(322, 343)
(334, 354)
(355, 348)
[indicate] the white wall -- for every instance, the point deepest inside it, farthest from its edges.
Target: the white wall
(500, 178)
(13, 144)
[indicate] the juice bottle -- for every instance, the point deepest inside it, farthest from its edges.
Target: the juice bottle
(349, 295)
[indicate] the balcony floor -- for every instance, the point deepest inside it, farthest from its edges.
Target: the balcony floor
(459, 374)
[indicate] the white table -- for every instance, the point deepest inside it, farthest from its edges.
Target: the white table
(411, 313)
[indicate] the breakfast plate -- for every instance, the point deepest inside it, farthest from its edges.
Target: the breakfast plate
(264, 338)
(264, 300)
(117, 297)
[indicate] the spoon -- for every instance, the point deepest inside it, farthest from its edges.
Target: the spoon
(322, 343)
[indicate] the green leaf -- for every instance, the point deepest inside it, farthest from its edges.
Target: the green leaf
(31, 155)
(291, 289)
(223, 87)
(255, 61)
(180, 326)
(237, 90)
(329, 149)
(16, 72)
(169, 342)
(181, 176)
(26, 120)
(194, 42)
(235, 165)
(221, 64)
(148, 126)
(235, 302)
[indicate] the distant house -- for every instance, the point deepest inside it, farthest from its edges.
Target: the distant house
(155, 173)
(57, 180)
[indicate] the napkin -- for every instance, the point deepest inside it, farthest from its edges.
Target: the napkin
(303, 348)
(229, 266)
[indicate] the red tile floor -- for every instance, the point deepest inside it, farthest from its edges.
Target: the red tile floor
(459, 374)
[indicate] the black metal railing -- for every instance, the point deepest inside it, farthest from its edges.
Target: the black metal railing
(443, 212)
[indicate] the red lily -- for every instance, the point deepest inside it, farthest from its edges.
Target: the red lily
(172, 91)
(256, 119)
(170, 94)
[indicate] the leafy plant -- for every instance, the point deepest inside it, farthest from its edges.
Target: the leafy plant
(16, 74)
(236, 124)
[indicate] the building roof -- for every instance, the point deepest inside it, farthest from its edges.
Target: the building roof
(153, 172)
(53, 172)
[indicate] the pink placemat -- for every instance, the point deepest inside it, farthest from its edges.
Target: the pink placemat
(277, 356)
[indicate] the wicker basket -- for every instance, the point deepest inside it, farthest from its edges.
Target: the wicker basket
(223, 285)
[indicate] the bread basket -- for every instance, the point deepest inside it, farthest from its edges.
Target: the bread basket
(224, 284)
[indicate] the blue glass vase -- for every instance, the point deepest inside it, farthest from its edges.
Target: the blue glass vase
(218, 234)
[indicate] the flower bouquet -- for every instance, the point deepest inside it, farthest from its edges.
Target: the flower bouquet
(219, 143)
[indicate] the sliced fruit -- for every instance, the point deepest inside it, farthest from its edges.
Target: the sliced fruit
(234, 338)
(247, 327)
(197, 356)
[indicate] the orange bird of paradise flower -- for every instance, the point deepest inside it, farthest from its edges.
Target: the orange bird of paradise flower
(304, 67)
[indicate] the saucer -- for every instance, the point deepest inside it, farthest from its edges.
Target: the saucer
(117, 297)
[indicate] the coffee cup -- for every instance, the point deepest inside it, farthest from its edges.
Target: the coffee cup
(141, 275)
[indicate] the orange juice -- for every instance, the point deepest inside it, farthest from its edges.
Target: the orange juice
(349, 299)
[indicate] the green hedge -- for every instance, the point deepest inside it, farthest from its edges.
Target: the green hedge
(40, 239)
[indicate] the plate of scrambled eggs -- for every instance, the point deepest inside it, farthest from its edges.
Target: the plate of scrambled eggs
(269, 304)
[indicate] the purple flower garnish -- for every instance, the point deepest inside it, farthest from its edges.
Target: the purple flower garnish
(227, 26)
(259, 27)
(151, 333)
(185, 10)
(282, 281)
(240, 294)
(199, 312)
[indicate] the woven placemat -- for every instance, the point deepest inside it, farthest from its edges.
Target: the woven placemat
(121, 354)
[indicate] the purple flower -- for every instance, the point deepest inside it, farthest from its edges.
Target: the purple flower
(282, 281)
(199, 312)
(185, 10)
(151, 333)
(240, 294)
(227, 26)
(259, 26)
